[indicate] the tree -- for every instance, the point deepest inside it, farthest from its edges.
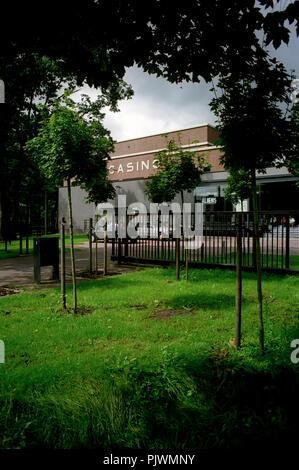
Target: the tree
(292, 160)
(71, 149)
(254, 133)
(179, 170)
(238, 186)
(33, 79)
(30, 80)
(97, 42)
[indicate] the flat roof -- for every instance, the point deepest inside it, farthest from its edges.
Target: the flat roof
(166, 132)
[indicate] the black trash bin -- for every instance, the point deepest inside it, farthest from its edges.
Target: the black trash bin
(46, 253)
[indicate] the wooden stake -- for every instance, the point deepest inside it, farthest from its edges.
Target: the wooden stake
(238, 302)
(72, 245)
(90, 245)
(62, 258)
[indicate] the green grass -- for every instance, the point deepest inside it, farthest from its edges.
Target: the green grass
(278, 260)
(13, 248)
(150, 365)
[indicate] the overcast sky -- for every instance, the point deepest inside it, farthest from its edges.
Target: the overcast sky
(158, 106)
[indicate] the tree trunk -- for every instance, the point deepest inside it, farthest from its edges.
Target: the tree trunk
(90, 245)
(72, 244)
(238, 302)
(1, 214)
(258, 262)
(96, 246)
(105, 250)
(186, 253)
(46, 213)
(187, 264)
(27, 228)
(62, 275)
(177, 258)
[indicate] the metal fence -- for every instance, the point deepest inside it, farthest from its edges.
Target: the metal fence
(278, 235)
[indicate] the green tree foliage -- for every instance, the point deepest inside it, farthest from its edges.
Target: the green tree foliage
(30, 80)
(292, 160)
(73, 144)
(238, 186)
(178, 170)
(94, 44)
(255, 131)
(33, 80)
(69, 147)
(275, 21)
(187, 40)
(255, 134)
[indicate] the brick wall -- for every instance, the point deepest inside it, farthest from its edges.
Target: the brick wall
(130, 166)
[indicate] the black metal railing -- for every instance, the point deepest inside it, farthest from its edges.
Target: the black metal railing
(278, 236)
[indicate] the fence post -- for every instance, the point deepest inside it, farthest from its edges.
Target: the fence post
(105, 250)
(187, 263)
(223, 249)
(287, 263)
(21, 243)
(27, 230)
(36, 252)
(177, 258)
(253, 247)
(27, 243)
(119, 251)
(238, 282)
(90, 245)
(202, 252)
(62, 276)
(96, 249)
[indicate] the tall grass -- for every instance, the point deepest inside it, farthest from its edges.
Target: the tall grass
(149, 365)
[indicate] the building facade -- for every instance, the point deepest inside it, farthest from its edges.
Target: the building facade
(134, 162)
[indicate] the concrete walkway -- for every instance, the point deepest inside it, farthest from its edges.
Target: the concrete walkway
(19, 271)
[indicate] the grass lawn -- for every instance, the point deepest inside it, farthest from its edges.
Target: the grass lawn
(149, 365)
(13, 248)
(278, 261)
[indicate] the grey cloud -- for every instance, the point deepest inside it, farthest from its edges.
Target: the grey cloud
(159, 106)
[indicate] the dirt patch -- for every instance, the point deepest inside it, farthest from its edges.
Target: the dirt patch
(99, 274)
(9, 291)
(88, 275)
(138, 306)
(164, 313)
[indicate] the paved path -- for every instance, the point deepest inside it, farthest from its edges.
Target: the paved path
(19, 271)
